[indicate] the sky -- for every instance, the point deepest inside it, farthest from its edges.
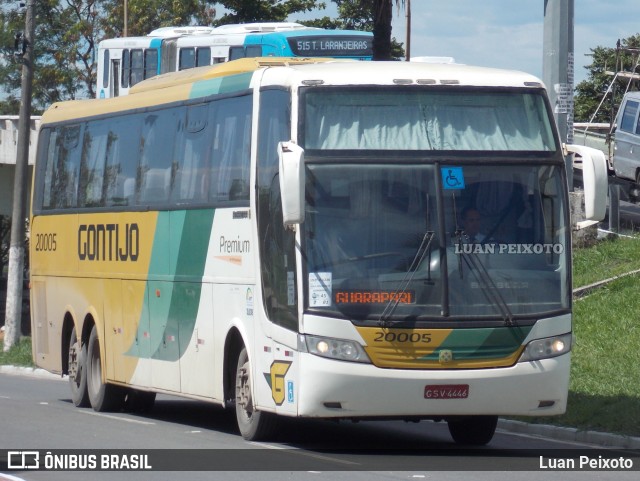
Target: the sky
(509, 33)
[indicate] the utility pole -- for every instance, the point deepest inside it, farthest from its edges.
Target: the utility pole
(126, 19)
(19, 214)
(558, 68)
(407, 50)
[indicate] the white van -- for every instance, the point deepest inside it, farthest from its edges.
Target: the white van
(626, 154)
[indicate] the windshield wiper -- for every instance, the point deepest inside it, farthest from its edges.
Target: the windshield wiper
(423, 248)
(486, 283)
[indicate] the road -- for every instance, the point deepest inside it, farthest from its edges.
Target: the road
(36, 413)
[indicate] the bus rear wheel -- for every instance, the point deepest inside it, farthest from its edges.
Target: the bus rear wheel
(473, 430)
(103, 397)
(253, 425)
(77, 370)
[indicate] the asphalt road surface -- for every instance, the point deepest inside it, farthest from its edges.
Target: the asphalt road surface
(190, 440)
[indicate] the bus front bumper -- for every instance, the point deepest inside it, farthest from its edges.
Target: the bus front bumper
(334, 389)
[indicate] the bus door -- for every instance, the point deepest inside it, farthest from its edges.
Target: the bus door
(114, 81)
(169, 56)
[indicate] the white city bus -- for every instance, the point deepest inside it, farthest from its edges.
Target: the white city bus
(286, 236)
(123, 62)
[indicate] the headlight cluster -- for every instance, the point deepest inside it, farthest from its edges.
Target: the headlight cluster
(340, 349)
(546, 348)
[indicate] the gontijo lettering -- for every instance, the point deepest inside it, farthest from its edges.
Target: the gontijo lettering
(108, 242)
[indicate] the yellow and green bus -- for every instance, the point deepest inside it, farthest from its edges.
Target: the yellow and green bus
(287, 237)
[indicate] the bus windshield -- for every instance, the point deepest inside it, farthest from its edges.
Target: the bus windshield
(396, 241)
(417, 118)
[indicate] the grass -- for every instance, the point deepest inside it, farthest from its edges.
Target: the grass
(608, 258)
(18, 355)
(604, 393)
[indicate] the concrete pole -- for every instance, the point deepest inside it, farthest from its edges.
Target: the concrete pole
(558, 68)
(19, 214)
(407, 50)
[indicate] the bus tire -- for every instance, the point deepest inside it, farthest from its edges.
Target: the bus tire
(473, 430)
(78, 371)
(253, 425)
(103, 397)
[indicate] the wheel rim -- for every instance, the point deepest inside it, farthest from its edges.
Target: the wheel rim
(243, 392)
(75, 364)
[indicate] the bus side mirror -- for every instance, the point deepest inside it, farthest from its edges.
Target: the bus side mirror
(594, 179)
(292, 182)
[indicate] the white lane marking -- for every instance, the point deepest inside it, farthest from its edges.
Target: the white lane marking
(303, 453)
(117, 418)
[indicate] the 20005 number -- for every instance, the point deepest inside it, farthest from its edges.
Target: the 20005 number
(414, 337)
(46, 242)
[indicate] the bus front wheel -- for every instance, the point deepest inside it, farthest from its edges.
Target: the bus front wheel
(103, 397)
(253, 425)
(78, 371)
(473, 430)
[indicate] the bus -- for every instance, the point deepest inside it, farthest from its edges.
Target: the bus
(284, 237)
(123, 62)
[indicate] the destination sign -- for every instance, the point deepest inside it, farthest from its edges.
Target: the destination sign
(328, 46)
(374, 297)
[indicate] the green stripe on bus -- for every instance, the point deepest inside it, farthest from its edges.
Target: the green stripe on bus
(172, 307)
(484, 343)
(221, 85)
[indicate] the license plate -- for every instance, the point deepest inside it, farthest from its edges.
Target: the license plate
(446, 391)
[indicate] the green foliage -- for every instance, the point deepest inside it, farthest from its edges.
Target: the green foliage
(68, 33)
(246, 11)
(147, 15)
(18, 355)
(603, 392)
(590, 92)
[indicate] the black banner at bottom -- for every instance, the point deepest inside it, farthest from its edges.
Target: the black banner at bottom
(284, 459)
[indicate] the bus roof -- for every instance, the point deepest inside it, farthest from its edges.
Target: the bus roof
(289, 72)
(399, 73)
(176, 86)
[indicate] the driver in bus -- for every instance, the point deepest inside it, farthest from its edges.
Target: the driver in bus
(471, 221)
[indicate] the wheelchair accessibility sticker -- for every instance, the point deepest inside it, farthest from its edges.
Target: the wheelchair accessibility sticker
(452, 177)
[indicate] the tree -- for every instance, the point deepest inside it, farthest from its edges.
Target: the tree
(63, 50)
(600, 82)
(245, 11)
(147, 15)
(67, 36)
(362, 15)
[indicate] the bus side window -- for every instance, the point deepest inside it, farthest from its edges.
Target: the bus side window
(190, 169)
(123, 153)
(48, 193)
(126, 68)
(92, 165)
(158, 133)
(235, 53)
(137, 66)
(203, 56)
(150, 63)
(231, 150)
(253, 51)
(65, 164)
(187, 58)
(105, 66)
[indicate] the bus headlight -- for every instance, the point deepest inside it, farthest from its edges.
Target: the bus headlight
(340, 349)
(547, 348)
